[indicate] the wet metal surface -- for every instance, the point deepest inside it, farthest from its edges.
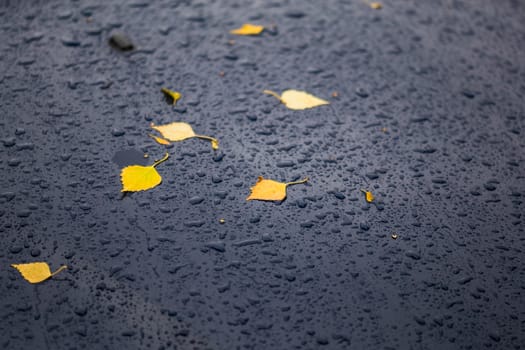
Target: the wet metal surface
(427, 112)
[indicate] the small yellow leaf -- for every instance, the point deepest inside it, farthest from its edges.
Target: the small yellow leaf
(298, 100)
(175, 131)
(159, 140)
(248, 29)
(36, 272)
(174, 95)
(368, 196)
(140, 178)
(178, 131)
(270, 190)
(376, 5)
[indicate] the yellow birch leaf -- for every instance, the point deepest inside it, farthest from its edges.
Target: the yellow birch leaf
(175, 131)
(159, 140)
(136, 178)
(368, 196)
(298, 100)
(270, 190)
(174, 95)
(178, 131)
(376, 5)
(248, 29)
(36, 272)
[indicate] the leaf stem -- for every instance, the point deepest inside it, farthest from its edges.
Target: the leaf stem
(62, 268)
(163, 159)
(297, 182)
(204, 137)
(214, 141)
(274, 94)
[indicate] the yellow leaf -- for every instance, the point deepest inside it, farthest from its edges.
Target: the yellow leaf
(248, 29)
(178, 131)
(295, 99)
(140, 178)
(174, 95)
(270, 190)
(159, 140)
(36, 272)
(368, 196)
(376, 5)
(175, 131)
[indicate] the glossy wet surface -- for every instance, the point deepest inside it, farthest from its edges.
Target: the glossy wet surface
(426, 112)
